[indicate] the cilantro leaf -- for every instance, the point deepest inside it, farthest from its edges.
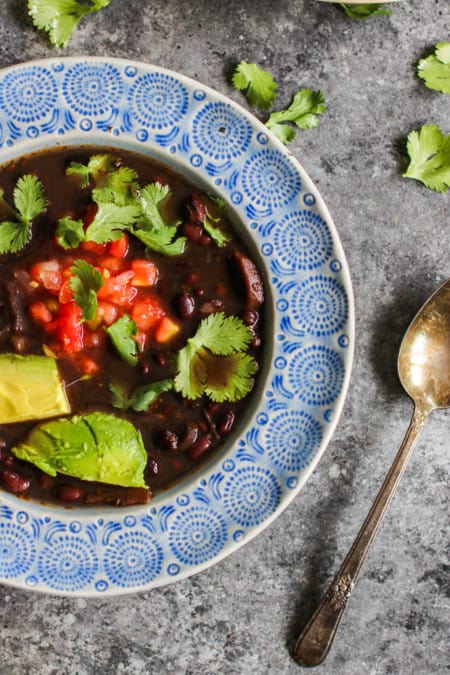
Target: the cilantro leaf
(258, 84)
(29, 197)
(216, 234)
(214, 361)
(96, 166)
(113, 183)
(435, 69)
(69, 232)
(141, 398)
(151, 228)
(60, 17)
(302, 112)
(119, 396)
(429, 153)
(122, 333)
(118, 186)
(13, 236)
(110, 221)
(364, 10)
(29, 202)
(85, 283)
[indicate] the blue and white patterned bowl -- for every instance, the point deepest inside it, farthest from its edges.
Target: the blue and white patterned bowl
(221, 147)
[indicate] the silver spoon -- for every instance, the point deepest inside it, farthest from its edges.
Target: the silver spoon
(424, 371)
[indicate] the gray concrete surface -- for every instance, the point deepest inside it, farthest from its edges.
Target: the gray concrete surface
(242, 615)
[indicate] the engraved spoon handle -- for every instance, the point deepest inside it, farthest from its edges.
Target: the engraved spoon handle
(315, 640)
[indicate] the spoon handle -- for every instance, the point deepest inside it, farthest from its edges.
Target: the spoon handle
(315, 640)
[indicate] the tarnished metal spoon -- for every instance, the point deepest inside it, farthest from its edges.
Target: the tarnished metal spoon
(424, 371)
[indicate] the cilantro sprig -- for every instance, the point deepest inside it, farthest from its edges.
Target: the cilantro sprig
(429, 153)
(110, 221)
(122, 334)
(434, 70)
(151, 228)
(141, 398)
(59, 18)
(214, 361)
(364, 11)
(122, 205)
(303, 111)
(85, 282)
(258, 84)
(29, 202)
(112, 182)
(260, 90)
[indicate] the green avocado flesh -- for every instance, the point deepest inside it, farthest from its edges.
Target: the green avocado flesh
(93, 447)
(30, 389)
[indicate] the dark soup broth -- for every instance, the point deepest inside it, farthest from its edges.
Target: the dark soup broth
(130, 326)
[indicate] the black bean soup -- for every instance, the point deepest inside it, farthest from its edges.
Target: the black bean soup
(179, 433)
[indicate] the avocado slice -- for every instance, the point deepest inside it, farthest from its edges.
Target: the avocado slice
(30, 388)
(93, 447)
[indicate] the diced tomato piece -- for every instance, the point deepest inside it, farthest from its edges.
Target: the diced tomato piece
(40, 313)
(117, 289)
(166, 330)
(48, 273)
(119, 248)
(65, 292)
(89, 366)
(114, 265)
(94, 338)
(107, 312)
(147, 313)
(92, 247)
(145, 273)
(68, 327)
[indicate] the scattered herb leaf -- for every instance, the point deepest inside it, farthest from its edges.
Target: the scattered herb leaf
(211, 227)
(151, 228)
(29, 202)
(85, 283)
(302, 112)
(118, 186)
(110, 221)
(60, 17)
(122, 333)
(69, 232)
(257, 84)
(214, 361)
(141, 398)
(429, 153)
(96, 166)
(364, 10)
(435, 69)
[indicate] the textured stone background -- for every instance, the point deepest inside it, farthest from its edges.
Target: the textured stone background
(242, 616)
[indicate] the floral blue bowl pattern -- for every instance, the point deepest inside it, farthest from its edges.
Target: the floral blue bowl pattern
(68, 101)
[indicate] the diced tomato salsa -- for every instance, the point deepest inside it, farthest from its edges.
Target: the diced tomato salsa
(129, 287)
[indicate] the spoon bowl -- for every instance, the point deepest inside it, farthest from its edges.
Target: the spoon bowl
(424, 356)
(424, 371)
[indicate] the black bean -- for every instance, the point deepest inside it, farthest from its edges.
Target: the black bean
(192, 231)
(14, 482)
(152, 466)
(226, 422)
(185, 305)
(196, 209)
(70, 493)
(190, 436)
(250, 317)
(169, 439)
(201, 445)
